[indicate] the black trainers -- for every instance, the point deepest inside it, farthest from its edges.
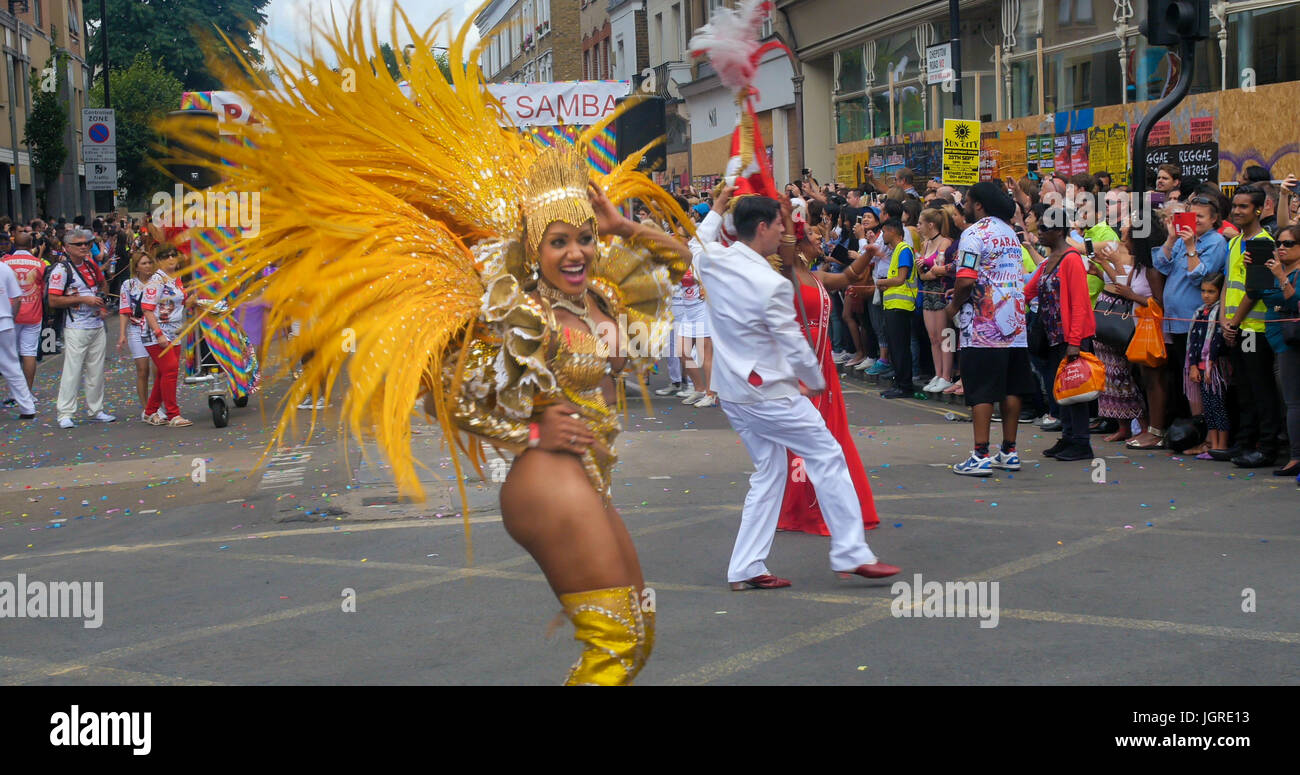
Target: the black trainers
(1075, 451)
(895, 393)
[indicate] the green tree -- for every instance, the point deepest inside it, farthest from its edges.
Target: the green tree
(170, 31)
(47, 125)
(389, 58)
(142, 94)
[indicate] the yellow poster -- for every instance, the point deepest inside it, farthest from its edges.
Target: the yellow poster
(844, 173)
(1119, 154)
(1013, 162)
(961, 152)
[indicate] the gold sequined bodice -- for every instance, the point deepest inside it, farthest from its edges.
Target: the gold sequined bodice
(580, 365)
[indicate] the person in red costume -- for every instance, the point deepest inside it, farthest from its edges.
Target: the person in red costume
(799, 508)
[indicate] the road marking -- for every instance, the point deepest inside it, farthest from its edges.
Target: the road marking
(331, 605)
(907, 401)
(833, 629)
(282, 470)
(661, 477)
(103, 675)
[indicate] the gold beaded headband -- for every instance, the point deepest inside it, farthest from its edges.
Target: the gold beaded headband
(555, 190)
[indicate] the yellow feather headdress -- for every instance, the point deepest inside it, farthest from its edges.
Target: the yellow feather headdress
(372, 198)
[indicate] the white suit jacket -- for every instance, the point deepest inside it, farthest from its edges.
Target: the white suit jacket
(751, 312)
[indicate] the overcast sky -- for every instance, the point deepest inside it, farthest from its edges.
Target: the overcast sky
(289, 21)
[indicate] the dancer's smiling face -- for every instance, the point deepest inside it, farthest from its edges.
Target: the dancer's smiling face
(565, 255)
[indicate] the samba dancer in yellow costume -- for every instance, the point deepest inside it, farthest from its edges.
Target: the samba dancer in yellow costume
(431, 253)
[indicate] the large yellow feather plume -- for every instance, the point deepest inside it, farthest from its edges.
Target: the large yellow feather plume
(370, 200)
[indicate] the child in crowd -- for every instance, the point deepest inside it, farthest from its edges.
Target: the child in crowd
(1207, 370)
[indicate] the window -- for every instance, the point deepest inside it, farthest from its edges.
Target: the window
(851, 76)
(544, 15)
(73, 23)
(40, 21)
(1263, 40)
(768, 27)
(620, 63)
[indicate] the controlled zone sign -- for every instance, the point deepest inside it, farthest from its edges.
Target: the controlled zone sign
(98, 135)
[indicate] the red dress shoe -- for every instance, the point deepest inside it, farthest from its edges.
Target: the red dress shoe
(877, 570)
(766, 581)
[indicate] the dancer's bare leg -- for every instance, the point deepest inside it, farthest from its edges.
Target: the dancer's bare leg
(583, 548)
(550, 509)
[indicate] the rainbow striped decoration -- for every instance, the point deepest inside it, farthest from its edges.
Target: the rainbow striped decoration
(196, 100)
(226, 339)
(602, 156)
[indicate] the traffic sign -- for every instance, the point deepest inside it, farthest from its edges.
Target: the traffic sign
(98, 135)
(101, 176)
(938, 63)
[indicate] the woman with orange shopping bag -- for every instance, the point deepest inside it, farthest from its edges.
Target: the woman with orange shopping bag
(1065, 311)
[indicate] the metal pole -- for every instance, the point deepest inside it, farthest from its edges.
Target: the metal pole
(954, 29)
(1187, 50)
(103, 25)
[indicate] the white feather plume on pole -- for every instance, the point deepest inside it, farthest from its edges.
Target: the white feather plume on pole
(731, 39)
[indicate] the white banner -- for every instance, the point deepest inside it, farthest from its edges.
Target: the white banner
(565, 102)
(231, 107)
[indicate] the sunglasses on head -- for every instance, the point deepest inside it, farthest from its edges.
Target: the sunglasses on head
(1202, 200)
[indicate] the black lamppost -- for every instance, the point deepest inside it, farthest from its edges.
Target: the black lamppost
(954, 22)
(1183, 23)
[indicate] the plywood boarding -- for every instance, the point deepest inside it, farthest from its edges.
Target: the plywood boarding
(1256, 127)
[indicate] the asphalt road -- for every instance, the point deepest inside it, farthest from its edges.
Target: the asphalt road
(242, 577)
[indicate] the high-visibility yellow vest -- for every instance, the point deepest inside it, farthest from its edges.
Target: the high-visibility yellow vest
(901, 296)
(1234, 287)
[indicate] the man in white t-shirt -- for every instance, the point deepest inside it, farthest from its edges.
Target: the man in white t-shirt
(11, 300)
(988, 306)
(75, 286)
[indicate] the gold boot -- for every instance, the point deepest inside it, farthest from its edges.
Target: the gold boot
(618, 635)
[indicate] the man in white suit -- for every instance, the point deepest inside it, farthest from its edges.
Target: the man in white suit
(764, 371)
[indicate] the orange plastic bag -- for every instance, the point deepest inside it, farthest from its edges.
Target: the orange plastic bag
(1080, 380)
(1148, 345)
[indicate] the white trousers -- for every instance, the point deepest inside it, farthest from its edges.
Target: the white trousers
(767, 429)
(83, 361)
(13, 373)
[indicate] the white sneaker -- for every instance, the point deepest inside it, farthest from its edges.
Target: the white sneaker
(322, 404)
(103, 417)
(707, 401)
(685, 391)
(929, 386)
(866, 364)
(66, 422)
(307, 403)
(692, 397)
(939, 385)
(670, 390)
(842, 358)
